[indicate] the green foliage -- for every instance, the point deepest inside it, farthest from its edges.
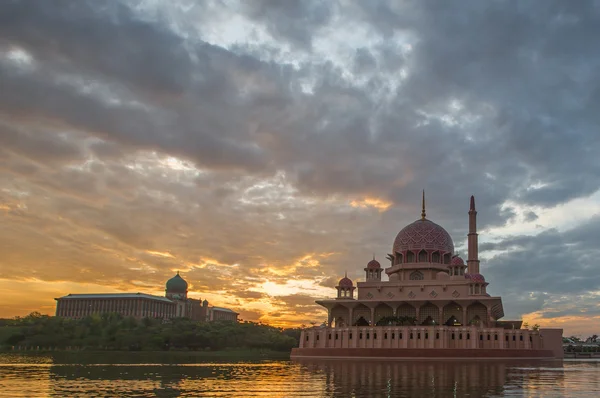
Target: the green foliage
(397, 321)
(114, 332)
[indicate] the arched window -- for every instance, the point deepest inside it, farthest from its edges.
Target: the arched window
(435, 257)
(410, 257)
(422, 256)
(416, 276)
(399, 258)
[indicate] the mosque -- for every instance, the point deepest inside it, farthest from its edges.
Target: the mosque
(175, 304)
(432, 305)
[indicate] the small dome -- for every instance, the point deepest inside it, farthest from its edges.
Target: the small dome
(423, 234)
(205, 303)
(345, 282)
(457, 261)
(373, 264)
(475, 277)
(442, 275)
(177, 284)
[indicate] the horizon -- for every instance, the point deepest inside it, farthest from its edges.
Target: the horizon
(265, 149)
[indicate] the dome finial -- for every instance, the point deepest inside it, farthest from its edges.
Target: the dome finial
(346, 274)
(423, 208)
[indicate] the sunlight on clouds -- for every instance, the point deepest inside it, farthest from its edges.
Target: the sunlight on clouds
(580, 326)
(379, 204)
(561, 217)
(160, 254)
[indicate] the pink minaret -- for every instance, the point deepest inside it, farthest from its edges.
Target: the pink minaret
(472, 259)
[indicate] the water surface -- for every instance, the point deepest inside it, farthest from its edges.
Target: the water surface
(180, 375)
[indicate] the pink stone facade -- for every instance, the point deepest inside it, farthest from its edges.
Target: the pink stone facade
(432, 300)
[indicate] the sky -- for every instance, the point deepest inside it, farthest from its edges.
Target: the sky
(264, 148)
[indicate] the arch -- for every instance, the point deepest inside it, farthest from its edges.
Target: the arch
(447, 258)
(363, 311)
(435, 257)
(406, 313)
(429, 314)
(423, 256)
(383, 310)
(452, 314)
(399, 258)
(339, 314)
(416, 276)
(476, 314)
(410, 257)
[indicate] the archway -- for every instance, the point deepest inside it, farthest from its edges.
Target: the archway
(340, 314)
(406, 314)
(477, 313)
(363, 311)
(453, 310)
(383, 310)
(429, 310)
(361, 321)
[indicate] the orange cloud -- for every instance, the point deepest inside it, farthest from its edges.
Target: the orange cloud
(376, 203)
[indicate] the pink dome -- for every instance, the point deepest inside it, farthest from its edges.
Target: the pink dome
(423, 234)
(475, 277)
(457, 261)
(345, 282)
(373, 264)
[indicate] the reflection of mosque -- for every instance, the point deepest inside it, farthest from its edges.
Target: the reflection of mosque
(420, 378)
(432, 303)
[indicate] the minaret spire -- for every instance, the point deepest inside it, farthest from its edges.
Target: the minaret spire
(473, 257)
(423, 206)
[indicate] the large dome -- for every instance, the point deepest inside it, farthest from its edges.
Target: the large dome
(423, 234)
(177, 284)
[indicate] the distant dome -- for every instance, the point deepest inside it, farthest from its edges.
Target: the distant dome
(345, 282)
(423, 234)
(457, 261)
(373, 264)
(177, 284)
(475, 277)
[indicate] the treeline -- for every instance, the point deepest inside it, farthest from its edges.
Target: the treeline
(115, 332)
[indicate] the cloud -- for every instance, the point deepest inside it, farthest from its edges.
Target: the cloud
(298, 130)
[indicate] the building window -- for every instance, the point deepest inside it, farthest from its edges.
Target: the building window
(468, 336)
(419, 336)
(374, 336)
(416, 276)
(437, 336)
(506, 338)
(460, 336)
(317, 337)
(452, 336)
(521, 337)
(336, 336)
(368, 335)
(306, 337)
(426, 336)
(496, 337)
(350, 336)
(489, 337)
(514, 338)
(360, 336)
(411, 336)
(329, 336)
(393, 336)
(530, 339)
(385, 336)
(480, 337)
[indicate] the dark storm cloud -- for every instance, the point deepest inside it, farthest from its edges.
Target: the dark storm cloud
(488, 98)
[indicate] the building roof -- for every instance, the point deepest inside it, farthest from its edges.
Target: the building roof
(223, 309)
(115, 296)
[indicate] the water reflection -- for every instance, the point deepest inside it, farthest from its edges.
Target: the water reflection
(423, 378)
(150, 375)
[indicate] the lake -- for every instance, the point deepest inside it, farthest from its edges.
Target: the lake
(190, 375)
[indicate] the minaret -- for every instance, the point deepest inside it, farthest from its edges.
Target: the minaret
(472, 259)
